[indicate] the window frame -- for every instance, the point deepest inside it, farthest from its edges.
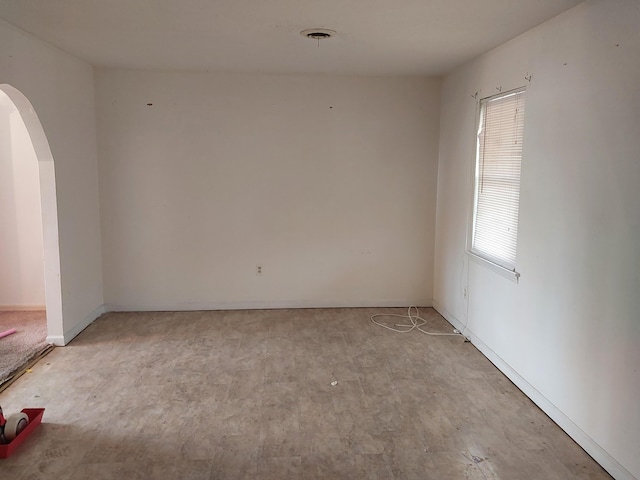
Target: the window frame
(492, 262)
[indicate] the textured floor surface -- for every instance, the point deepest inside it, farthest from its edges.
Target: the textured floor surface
(248, 394)
(30, 340)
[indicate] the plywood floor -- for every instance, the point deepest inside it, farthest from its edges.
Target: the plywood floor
(248, 394)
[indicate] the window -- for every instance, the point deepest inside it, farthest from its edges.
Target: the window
(497, 178)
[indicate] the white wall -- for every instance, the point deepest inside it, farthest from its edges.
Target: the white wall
(21, 255)
(568, 333)
(327, 182)
(60, 88)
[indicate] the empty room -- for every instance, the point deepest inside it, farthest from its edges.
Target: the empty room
(322, 240)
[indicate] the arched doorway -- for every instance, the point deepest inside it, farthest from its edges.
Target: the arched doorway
(49, 209)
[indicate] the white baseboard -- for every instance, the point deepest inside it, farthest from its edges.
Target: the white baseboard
(610, 464)
(22, 308)
(57, 340)
(62, 340)
(260, 305)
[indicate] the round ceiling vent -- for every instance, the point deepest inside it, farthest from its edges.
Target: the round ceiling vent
(318, 33)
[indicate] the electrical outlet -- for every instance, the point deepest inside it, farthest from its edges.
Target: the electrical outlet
(258, 269)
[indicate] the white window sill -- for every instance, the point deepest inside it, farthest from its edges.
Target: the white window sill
(506, 273)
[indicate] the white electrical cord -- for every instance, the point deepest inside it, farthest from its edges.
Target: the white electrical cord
(414, 325)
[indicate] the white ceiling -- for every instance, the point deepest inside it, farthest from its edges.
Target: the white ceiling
(375, 37)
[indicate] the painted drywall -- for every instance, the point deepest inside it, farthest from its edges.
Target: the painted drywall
(60, 89)
(22, 252)
(328, 183)
(569, 331)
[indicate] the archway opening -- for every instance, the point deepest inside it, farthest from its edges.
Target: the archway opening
(26, 152)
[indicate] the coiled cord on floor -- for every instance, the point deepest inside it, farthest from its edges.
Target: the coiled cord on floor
(413, 325)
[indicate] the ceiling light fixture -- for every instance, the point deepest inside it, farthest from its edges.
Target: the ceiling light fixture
(318, 33)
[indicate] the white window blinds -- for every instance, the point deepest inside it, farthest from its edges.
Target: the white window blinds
(497, 178)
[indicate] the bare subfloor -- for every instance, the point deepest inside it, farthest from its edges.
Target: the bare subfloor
(248, 394)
